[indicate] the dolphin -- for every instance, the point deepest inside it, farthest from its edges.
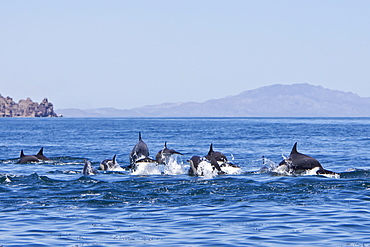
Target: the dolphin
(165, 153)
(213, 157)
(88, 169)
(32, 158)
(219, 157)
(140, 153)
(299, 163)
(27, 158)
(196, 160)
(110, 165)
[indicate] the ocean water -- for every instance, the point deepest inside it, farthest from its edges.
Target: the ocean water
(53, 204)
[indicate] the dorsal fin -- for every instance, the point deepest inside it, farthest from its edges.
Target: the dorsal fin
(22, 154)
(294, 149)
(41, 152)
(140, 137)
(210, 149)
(114, 159)
(165, 144)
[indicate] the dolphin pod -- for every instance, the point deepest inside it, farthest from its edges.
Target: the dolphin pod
(295, 163)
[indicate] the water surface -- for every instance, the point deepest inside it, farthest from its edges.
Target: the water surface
(52, 203)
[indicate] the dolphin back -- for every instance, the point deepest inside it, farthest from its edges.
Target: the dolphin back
(23, 159)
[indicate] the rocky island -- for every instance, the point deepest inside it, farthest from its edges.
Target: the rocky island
(25, 108)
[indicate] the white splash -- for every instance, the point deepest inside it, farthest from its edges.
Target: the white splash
(311, 172)
(231, 170)
(116, 168)
(147, 168)
(232, 157)
(267, 165)
(173, 166)
(283, 170)
(205, 169)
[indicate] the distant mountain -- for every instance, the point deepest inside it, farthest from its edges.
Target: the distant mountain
(297, 100)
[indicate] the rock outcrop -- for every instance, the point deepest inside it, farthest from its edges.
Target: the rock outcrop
(25, 108)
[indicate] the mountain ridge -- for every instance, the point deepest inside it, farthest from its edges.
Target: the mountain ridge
(277, 100)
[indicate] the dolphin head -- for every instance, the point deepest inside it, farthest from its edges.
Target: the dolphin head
(88, 169)
(194, 163)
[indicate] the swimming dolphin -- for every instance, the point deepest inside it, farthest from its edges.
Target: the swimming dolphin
(32, 158)
(213, 157)
(88, 169)
(299, 163)
(219, 157)
(196, 160)
(110, 165)
(194, 163)
(27, 158)
(140, 153)
(165, 153)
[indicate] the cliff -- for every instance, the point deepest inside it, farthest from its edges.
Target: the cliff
(25, 108)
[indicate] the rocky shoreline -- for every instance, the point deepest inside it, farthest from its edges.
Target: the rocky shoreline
(26, 108)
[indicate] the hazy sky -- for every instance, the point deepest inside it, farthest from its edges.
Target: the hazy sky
(125, 54)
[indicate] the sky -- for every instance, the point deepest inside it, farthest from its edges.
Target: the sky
(125, 54)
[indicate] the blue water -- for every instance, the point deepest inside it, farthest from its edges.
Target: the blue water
(53, 204)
